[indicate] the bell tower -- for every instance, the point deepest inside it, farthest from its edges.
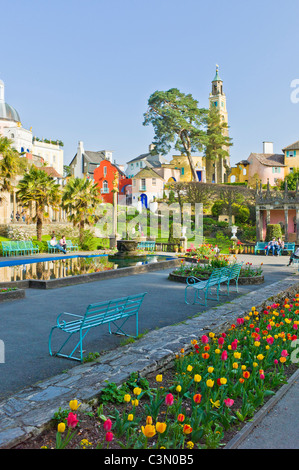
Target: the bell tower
(217, 97)
(217, 100)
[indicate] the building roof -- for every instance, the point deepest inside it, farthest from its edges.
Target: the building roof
(243, 162)
(147, 173)
(269, 159)
(51, 171)
(7, 112)
(294, 146)
(155, 160)
(217, 78)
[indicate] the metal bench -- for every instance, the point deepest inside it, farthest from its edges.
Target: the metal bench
(147, 245)
(70, 246)
(115, 312)
(18, 247)
(260, 246)
(288, 248)
(218, 276)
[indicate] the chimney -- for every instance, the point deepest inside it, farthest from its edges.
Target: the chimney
(151, 147)
(268, 147)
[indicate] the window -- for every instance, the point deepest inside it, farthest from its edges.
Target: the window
(143, 184)
(182, 170)
(105, 171)
(275, 169)
(105, 188)
(154, 181)
(134, 183)
(291, 153)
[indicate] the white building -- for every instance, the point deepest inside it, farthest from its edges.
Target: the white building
(23, 140)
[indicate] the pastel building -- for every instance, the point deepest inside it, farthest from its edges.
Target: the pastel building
(267, 166)
(104, 175)
(148, 185)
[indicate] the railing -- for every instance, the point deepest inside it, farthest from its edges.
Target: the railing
(168, 247)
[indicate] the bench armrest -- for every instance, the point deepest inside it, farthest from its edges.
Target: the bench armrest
(192, 280)
(63, 322)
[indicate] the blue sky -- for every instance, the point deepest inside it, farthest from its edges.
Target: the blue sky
(84, 70)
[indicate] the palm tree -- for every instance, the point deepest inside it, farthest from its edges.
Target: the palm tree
(38, 187)
(11, 164)
(80, 199)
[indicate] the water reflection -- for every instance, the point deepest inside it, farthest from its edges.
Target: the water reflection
(60, 268)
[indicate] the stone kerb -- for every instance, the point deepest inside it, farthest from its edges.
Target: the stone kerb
(28, 412)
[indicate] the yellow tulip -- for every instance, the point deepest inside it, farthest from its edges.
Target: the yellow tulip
(161, 427)
(74, 405)
(148, 430)
(61, 427)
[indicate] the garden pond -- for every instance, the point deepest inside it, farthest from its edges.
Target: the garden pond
(66, 266)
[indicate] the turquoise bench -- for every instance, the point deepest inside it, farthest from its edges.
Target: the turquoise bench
(147, 245)
(115, 312)
(260, 246)
(19, 247)
(288, 248)
(70, 246)
(218, 276)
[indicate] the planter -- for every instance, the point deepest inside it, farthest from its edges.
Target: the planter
(246, 280)
(12, 295)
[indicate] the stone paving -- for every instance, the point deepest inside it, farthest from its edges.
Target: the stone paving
(26, 412)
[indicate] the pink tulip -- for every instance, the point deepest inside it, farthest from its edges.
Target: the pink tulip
(262, 376)
(107, 425)
(109, 436)
(224, 356)
(275, 361)
(204, 339)
(169, 399)
(229, 402)
(284, 353)
(220, 340)
(270, 340)
(240, 321)
(72, 420)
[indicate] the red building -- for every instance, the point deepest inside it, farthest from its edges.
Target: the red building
(104, 175)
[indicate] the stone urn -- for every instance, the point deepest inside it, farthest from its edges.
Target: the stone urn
(126, 247)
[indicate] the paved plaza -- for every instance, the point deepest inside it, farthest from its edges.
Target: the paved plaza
(34, 384)
(26, 323)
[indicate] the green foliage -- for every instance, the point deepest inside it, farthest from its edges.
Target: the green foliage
(88, 242)
(273, 231)
(291, 180)
(177, 121)
(217, 208)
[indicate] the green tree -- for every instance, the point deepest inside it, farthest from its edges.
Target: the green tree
(177, 121)
(11, 164)
(80, 199)
(291, 180)
(40, 188)
(218, 141)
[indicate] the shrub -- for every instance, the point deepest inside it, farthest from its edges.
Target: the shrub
(273, 231)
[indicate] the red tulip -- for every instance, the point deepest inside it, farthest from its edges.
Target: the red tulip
(72, 420)
(109, 436)
(169, 399)
(224, 356)
(107, 425)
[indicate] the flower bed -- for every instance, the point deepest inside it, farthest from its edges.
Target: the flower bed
(11, 293)
(208, 394)
(248, 274)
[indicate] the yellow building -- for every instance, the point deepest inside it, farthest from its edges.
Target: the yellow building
(181, 162)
